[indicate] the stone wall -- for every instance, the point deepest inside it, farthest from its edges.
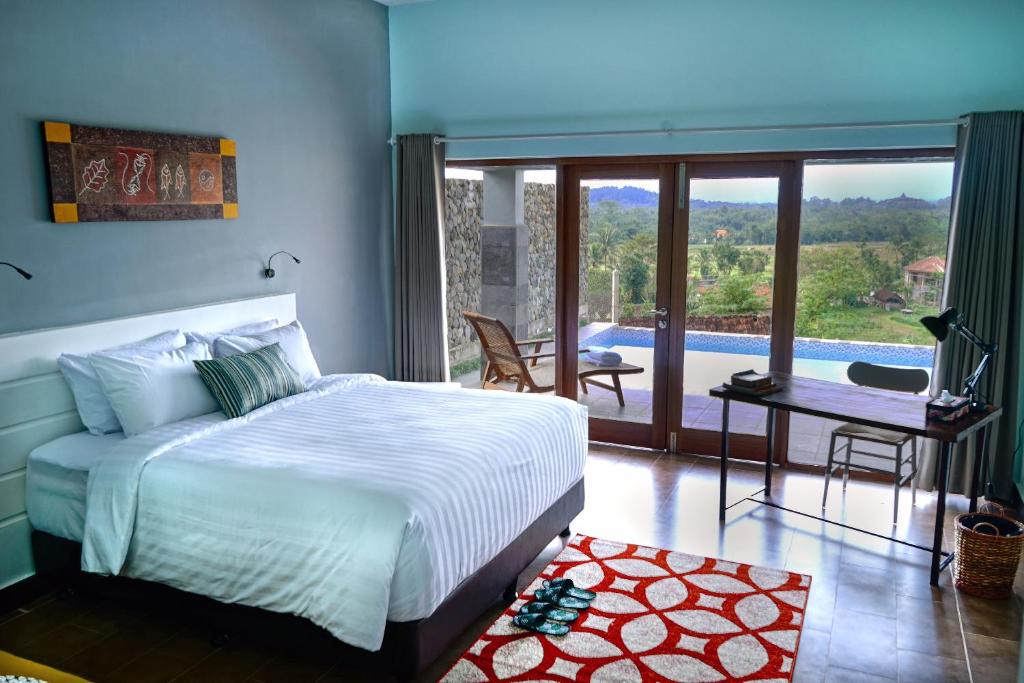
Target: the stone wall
(540, 216)
(464, 214)
(737, 324)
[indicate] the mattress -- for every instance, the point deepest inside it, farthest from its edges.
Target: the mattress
(58, 473)
(356, 502)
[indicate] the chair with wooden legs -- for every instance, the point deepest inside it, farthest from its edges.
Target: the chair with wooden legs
(879, 377)
(535, 371)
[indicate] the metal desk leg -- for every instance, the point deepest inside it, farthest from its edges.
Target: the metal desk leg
(940, 509)
(724, 459)
(979, 459)
(770, 440)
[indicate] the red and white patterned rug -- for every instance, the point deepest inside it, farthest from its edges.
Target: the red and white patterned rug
(658, 616)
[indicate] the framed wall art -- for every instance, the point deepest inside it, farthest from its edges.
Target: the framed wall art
(110, 174)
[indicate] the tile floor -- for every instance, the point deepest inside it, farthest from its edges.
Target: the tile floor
(871, 617)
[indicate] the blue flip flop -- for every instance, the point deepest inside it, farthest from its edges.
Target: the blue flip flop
(567, 586)
(539, 624)
(560, 598)
(551, 611)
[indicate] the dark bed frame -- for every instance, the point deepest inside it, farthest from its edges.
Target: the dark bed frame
(408, 648)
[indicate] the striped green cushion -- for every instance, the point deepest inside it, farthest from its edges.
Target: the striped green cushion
(244, 382)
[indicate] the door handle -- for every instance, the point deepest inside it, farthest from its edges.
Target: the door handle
(659, 311)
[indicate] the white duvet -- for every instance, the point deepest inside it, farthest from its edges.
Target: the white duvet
(353, 503)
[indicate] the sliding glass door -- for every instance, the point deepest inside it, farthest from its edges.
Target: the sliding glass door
(614, 278)
(668, 273)
(687, 272)
(734, 226)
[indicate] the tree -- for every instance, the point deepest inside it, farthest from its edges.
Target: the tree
(884, 274)
(637, 259)
(726, 256)
(734, 294)
(706, 264)
(752, 262)
(635, 279)
(603, 242)
(836, 277)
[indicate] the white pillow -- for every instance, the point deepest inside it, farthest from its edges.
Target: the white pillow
(292, 339)
(209, 338)
(93, 407)
(156, 387)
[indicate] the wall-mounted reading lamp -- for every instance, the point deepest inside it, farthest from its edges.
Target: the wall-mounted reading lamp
(23, 273)
(940, 326)
(268, 272)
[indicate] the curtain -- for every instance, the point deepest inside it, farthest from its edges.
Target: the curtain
(421, 340)
(984, 282)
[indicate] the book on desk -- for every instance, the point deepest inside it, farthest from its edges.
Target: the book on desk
(752, 383)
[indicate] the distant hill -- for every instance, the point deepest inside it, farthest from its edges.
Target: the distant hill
(822, 221)
(628, 196)
(632, 197)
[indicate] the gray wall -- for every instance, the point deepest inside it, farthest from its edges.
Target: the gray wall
(301, 86)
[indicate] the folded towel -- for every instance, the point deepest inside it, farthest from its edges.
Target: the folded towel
(603, 357)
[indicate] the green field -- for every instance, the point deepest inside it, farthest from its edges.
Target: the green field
(871, 324)
(834, 286)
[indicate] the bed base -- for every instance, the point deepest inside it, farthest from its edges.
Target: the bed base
(408, 648)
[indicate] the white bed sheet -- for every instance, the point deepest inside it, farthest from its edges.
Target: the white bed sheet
(357, 502)
(55, 484)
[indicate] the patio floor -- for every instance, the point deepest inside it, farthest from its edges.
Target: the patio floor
(808, 436)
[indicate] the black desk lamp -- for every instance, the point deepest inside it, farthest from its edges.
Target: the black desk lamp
(24, 274)
(940, 326)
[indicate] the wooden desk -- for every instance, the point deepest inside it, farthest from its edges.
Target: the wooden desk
(878, 408)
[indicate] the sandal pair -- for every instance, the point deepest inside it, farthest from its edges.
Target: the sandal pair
(554, 607)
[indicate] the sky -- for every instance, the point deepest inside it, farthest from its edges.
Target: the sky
(924, 180)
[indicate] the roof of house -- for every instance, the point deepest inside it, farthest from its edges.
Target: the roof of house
(887, 295)
(929, 264)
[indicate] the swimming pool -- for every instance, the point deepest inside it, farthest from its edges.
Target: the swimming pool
(904, 355)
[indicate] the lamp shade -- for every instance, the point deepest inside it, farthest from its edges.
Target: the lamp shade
(939, 325)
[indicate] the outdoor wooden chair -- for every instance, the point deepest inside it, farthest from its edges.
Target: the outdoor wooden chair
(534, 372)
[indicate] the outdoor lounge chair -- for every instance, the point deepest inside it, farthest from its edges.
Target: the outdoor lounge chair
(534, 372)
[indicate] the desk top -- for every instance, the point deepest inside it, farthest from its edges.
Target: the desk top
(878, 408)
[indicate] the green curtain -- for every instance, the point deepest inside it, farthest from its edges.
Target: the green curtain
(421, 339)
(984, 282)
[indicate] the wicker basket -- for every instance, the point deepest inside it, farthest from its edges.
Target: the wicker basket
(986, 563)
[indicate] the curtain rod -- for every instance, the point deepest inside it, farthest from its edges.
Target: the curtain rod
(669, 132)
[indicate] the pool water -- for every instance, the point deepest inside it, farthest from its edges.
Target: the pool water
(903, 355)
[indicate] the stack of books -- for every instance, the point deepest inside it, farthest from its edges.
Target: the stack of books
(753, 383)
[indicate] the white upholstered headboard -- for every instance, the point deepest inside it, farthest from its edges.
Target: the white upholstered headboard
(36, 405)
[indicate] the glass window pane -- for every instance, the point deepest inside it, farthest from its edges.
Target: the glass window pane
(618, 281)
(733, 225)
(872, 259)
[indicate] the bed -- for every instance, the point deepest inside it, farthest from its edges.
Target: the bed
(384, 513)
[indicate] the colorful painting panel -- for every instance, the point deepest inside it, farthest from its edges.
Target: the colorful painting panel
(110, 174)
(95, 169)
(135, 175)
(173, 184)
(206, 178)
